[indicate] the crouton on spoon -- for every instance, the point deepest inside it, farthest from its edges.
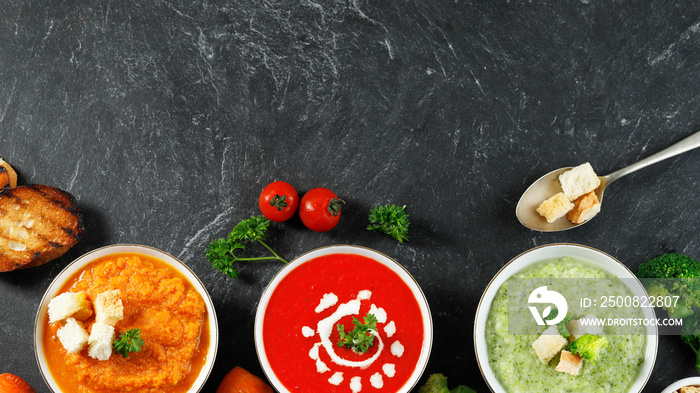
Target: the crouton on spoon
(534, 213)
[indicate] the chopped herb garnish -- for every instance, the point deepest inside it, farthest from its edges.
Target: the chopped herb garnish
(391, 220)
(221, 251)
(128, 342)
(361, 338)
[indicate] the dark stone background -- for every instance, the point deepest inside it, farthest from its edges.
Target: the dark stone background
(166, 118)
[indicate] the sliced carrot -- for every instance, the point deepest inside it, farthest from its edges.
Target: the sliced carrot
(239, 380)
(10, 383)
(8, 176)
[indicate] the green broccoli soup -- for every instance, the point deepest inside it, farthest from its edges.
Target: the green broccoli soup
(520, 368)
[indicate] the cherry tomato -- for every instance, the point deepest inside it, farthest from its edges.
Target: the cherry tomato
(319, 209)
(278, 201)
(10, 383)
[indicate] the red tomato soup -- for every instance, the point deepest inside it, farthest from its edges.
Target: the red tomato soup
(300, 327)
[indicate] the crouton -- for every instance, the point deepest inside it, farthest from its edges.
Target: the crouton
(569, 363)
(100, 341)
(549, 344)
(585, 207)
(690, 389)
(72, 336)
(578, 327)
(578, 181)
(69, 304)
(555, 207)
(108, 307)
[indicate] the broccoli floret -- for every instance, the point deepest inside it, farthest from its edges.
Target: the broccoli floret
(687, 286)
(673, 265)
(462, 389)
(690, 334)
(437, 383)
(562, 327)
(589, 346)
(670, 265)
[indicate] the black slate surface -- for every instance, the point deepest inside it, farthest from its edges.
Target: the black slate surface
(166, 118)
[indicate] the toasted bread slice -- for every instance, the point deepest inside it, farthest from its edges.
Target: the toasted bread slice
(37, 224)
(8, 176)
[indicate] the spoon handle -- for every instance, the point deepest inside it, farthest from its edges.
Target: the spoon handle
(683, 146)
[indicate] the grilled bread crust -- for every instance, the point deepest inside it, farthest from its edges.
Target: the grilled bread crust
(38, 224)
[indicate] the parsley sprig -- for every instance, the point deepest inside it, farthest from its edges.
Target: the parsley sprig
(128, 342)
(222, 252)
(361, 338)
(391, 220)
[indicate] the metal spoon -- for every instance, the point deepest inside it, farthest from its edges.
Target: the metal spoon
(548, 185)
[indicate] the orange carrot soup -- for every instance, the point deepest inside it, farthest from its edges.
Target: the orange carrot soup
(159, 301)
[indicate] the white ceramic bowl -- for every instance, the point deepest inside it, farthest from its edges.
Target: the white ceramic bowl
(692, 381)
(590, 255)
(91, 256)
(346, 249)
